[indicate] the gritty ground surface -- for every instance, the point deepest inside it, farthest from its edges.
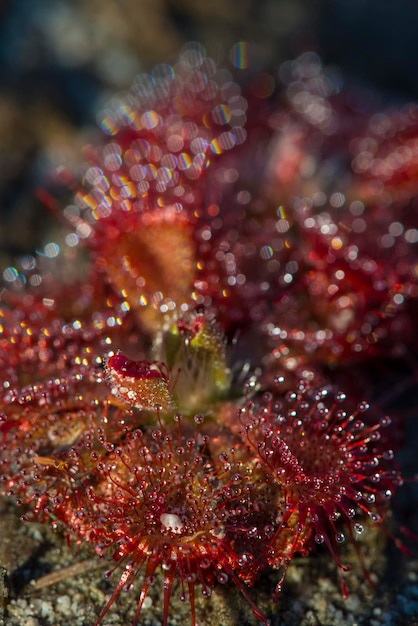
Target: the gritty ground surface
(311, 593)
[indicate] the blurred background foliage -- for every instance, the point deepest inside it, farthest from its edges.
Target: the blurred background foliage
(61, 60)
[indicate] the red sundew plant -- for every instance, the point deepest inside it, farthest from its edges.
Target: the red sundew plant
(344, 302)
(331, 463)
(229, 237)
(161, 501)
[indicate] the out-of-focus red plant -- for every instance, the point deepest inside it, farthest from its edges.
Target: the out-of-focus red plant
(173, 404)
